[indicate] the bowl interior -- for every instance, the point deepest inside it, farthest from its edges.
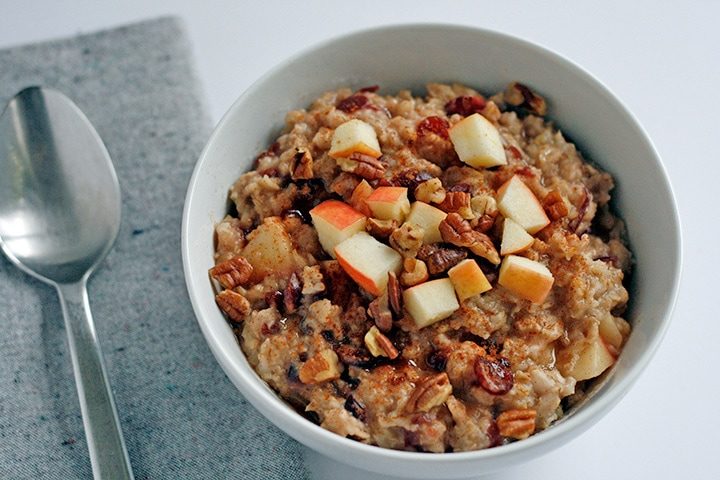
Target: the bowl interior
(409, 57)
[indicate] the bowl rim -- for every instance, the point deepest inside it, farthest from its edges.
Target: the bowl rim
(293, 423)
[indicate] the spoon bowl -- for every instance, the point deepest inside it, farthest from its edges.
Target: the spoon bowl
(59, 216)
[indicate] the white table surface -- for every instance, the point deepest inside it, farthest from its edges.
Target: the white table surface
(661, 58)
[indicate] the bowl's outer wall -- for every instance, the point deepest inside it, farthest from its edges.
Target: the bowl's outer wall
(409, 57)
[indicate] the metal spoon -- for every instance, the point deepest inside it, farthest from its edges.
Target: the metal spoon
(59, 216)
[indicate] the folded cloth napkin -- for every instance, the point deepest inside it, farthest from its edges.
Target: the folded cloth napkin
(181, 417)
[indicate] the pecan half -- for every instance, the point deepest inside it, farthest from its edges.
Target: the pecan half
(344, 185)
(369, 168)
(358, 357)
(379, 345)
(494, 374)
(520, 95)
(454, 229)
(440, 259)
(380, 228)
(484, 223)
(380, 312)
(291, 294)
(321, 367)
(429, 392)
(484, 204)
(407, 239)
(394, 294)
(312, 280)
(430, 191)
(517, 423)
(414, 272)
(233, 272)
(301, 165)
(235, 305)
(458, 202)
(554, 205)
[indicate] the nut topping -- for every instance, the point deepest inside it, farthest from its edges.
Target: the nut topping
(394, 294)
(233, 272)
(379, 345)
(321, 367)
(414, 272)
(430, 191)
(312, 280)
(235, 305)
(380, 228)
(517, 423)
(407, 239)
(520, 95)
(430, 392)
(369, 168)
(301, 165)
(554, 205)
(291, 294)
(380, 312)
(458, 202)
(440, 259)
(457, 231)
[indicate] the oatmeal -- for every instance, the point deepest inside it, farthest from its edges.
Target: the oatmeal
(439, 273)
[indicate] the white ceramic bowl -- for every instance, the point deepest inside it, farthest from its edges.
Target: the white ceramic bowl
(409, 56)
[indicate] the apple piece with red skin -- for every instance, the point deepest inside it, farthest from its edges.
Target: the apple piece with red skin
(431, 301)
(477, 142)
(515, 200)
(336, 221)
(389, 203)
(525, 278)
(354, 136)
(514, 238)
(429, 218)
(468, 279)
(368, 261)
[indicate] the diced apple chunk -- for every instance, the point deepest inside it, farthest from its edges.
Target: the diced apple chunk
(336, 221)
(354, 136)
(468, 279)
(525, 278)
(515, 200)
(389, 203)
(610, 333)
(367, 261)
(429, 218)
(514, 238)
(270, 250)
(586, 360)
(431, 301)
(477, 142)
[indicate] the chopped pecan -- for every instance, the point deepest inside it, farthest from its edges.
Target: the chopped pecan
(520, 95)
(344, 185)
(301, 165)
(379, 345)
(492, 112)
(407, 239)
(410, 178)
(554, 205)
(457, 231)
(574, 224)
(394, 294)
(414, 272)
(381, 228)
(357, 200)
(291, 294)
(379, 310)
(358, 357)
(321, 367)
(465, 105)
(484, 204)
(233, 272)
(440, 259)
(235, 305)
(312, 280)
(430, 191)
(458, 202)
(429, 392)
(369, 168)
(517, 423)
(484, 223)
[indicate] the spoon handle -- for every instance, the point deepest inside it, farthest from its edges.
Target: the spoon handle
(108, 455)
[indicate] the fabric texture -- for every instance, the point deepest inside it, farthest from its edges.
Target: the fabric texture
(182, 418)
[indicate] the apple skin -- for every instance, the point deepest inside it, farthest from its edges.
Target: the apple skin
(431, 301)
(477, 142)
(429, 218)
(515, 200)
(336, 221)
(354, 136)
(468, 279)
(389, 203)
(368, 261)
(525, 278)
(514, 238)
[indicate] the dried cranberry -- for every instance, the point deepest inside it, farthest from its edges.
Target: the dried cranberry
(461, 187)
(465, 105)
(410, 178)
(352, 103)
(437, 125)
(291, 295)
(355, 408)
(436, 360)
(274, 299)
(370, 89)
(292, 373)
(516, 153)
(494, 374)
(493, 433)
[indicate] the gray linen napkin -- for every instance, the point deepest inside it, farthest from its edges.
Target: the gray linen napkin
(181, 417)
